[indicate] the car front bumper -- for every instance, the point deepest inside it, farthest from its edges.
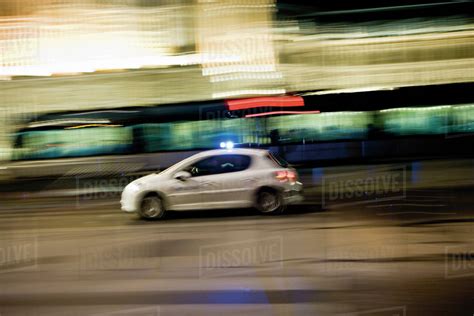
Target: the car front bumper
(127, 207)
(128, 201)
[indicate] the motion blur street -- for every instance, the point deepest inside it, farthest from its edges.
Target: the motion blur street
(410, 254)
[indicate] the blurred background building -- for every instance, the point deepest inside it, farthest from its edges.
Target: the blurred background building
(63, 55)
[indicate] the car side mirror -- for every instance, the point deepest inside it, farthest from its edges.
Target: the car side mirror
(182, 175)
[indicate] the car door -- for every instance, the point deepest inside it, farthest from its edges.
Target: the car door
(187, 194)
(183, 195)
(227, 186)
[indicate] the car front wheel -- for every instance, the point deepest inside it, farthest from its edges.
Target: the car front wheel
(270, 202)
(152, 208)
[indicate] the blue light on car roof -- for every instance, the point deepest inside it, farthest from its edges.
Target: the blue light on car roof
(227, 145)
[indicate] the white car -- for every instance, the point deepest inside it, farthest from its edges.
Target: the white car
(216, 179)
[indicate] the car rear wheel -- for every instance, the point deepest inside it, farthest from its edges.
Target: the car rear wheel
(270, 202)
(152, 208)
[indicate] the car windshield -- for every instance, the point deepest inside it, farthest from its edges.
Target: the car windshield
(278, 160)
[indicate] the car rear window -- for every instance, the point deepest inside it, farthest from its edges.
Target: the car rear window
(278, 160)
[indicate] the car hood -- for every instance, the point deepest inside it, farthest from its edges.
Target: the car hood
(147, 178)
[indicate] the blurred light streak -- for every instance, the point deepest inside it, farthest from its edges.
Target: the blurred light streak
(246, 76)
(352, 34)
(104, 111)
(238, 68)
(224, 7)
(429, 108)
(385, 9)
(68, 39)
(354, 90)
(67, 121)
(93, 125)
(243, 31)
(281, 112)
(238, 93)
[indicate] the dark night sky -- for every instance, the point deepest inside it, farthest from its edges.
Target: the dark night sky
(403, 8)
(360, 4)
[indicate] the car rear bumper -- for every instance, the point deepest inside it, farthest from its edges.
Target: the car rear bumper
(293, 194)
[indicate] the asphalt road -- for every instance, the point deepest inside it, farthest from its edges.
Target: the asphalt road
(412, 255)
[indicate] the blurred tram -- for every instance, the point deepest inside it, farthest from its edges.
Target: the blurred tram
(149, 138)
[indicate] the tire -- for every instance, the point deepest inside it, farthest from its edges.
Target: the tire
(270, 202)
(152, 208)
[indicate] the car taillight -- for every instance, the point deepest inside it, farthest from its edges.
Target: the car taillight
(292, 176)
(286, 176)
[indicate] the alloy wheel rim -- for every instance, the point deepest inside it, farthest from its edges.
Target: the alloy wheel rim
(151, 208)
(269, 202)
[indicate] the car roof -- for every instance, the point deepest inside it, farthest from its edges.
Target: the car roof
(238, 151)
(208, 153)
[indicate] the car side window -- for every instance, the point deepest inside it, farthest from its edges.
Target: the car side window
(233, 163)
(204, 167)
(219, 164)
